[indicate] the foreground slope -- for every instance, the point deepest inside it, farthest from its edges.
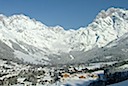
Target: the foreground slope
(123, 83)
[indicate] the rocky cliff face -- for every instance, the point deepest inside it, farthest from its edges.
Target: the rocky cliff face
(31, 41)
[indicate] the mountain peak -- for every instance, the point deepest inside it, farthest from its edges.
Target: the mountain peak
(31, 39)
(21, 22)
(111, 11)
(19, 16)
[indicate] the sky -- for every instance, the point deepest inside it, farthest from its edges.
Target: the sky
(70, 14)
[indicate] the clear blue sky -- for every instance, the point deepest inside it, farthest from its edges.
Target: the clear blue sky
(67, 13)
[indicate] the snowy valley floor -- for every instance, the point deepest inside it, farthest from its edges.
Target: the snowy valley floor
(94, 74)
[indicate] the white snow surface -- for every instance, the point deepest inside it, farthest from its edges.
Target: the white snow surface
(39, 40)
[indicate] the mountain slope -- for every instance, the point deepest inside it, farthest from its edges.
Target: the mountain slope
(117, 50)
(31, 41)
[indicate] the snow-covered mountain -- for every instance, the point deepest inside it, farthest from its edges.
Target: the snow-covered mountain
(28, 40)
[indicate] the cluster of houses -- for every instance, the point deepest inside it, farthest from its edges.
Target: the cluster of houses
(34, 76)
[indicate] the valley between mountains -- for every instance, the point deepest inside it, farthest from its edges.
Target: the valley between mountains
(23, 39)
(33, 54)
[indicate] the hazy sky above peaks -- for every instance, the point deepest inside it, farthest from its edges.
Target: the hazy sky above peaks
(67, 13)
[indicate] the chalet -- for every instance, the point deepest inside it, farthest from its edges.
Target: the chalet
(65, 75)
(82, 77)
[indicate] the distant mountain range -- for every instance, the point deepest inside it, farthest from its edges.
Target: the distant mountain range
(26, 40)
